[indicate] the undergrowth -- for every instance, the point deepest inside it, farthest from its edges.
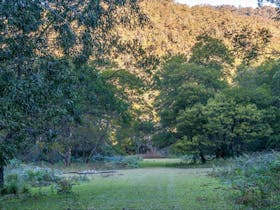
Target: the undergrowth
(255, 180)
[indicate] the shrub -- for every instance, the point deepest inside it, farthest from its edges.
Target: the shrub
(64, 186)
(129, 162)
(25, 189)
(188, 159)
(15, 185)
(20, 177)
(33, 175)
(255, 179)
(12, 178)
(10, 188)
(15, 188)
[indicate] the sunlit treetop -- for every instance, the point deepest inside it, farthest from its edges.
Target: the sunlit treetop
(78, 29)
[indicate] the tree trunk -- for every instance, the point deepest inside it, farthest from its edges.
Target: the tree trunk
(67, 159)
(203, 160)
(201, 155)
(68, 154)
(1, 176)
(100, 140)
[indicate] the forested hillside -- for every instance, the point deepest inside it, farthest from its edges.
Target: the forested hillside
(173, 28)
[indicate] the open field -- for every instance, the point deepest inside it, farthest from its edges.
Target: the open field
(149, 188)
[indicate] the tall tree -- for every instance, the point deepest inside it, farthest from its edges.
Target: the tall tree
(260, 86)
(185, 83)
(43, 44)
(222, 128)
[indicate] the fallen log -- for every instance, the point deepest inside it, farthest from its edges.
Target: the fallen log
(91, 172)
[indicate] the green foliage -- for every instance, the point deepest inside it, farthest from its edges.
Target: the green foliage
(20, 178)
(222, 128)
(129, 162)
(32, 175)
(234, 127)
(6, 153)
(184, 84)
(190, 128)
(206, 116)
(36, 102)
(33, 21)
(259, 86)
(126, 79)
(163, 139)
(15, 185)
(185, 89)
(64, 186)
(210, 52)
(11, 188)
(45, 81)
(255, 180)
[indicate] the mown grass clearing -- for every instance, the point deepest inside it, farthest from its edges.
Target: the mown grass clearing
(158, 188)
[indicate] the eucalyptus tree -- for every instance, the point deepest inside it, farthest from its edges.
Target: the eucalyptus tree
(43, 45)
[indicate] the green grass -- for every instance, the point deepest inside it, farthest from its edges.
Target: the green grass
(149, 188)
(161, 162)
(80, 166)
(171, 162)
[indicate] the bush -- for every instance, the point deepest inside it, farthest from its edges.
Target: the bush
(255, 179)
(33, 175)
(15, 188)
(119, 161)
(20, 177)
(188, 159)
(10, 188)
(64, 186)
(129, 162)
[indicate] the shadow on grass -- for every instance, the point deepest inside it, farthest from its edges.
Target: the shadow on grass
(171, 163)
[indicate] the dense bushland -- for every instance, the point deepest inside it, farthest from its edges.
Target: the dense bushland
(255, 179)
